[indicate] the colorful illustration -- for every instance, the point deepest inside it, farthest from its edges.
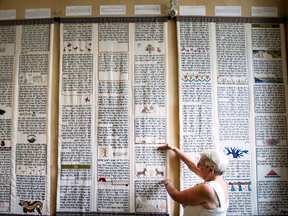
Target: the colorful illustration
(196, 78)
(75, 48)
(70, 48)
(109, 181)
(31, 138)
(267, 54)
(271, 142)
(5, 179)
(269, 210)
(148, 111)
(149, 48)
(24, 52)
(101, 180)
(146, 207)
(30, 207)
(105, 151)
(161, 173)
(139, 45)
(31, 170)
(87, 100)
(145, 110)
(272, 174)
(142, 172)
(5, 143)
(236, 153)
(88, 49)
(240, 186)
(158, 49)
(268, 80)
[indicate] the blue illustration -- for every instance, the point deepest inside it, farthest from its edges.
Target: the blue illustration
(240, 187)
(268, 80)
(249, 187)
(236, 153)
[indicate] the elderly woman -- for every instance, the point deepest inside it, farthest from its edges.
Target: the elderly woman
(208, 198)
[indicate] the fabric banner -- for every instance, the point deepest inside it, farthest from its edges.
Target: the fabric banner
(112, 115)
(232, 97)
(26, 73)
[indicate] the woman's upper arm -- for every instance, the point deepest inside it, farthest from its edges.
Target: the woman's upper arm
(194, 196)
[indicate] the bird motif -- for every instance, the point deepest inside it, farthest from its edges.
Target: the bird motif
(89, 50)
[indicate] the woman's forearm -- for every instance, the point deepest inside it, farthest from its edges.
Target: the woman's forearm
(192, 165)
(171, 191)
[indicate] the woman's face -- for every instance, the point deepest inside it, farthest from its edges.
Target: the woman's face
(202, 168)
(201, 163)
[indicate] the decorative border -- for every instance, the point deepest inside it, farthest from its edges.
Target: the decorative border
(231, 19)
(113, 19)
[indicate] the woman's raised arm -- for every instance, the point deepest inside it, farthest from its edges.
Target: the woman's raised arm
(192, 165)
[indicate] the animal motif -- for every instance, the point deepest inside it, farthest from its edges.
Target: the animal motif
(159, 172)
(30, 207)
(142, 173)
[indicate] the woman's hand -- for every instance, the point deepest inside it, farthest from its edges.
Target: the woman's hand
(165, 181)
(166, 146)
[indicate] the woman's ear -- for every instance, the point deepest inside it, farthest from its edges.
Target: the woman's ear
(211, 170)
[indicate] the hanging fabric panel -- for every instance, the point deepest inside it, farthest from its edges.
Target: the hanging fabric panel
(26, 73)
(112, 115)
(232, 97)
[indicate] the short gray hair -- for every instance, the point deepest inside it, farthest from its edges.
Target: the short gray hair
(216, 159)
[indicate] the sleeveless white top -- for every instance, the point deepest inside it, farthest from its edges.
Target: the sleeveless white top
(199, 210)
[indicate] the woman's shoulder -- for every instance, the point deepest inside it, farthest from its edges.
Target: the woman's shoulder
(206, 188)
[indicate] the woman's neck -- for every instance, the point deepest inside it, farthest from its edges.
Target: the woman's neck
(211, 178)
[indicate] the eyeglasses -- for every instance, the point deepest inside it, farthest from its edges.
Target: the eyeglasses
(198, 164)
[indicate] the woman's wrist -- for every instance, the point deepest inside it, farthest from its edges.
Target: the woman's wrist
(172, 148)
